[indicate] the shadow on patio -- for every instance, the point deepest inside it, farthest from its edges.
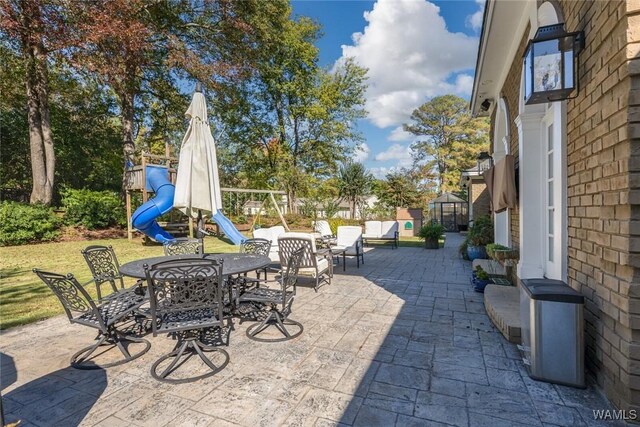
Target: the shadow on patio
(403, 340)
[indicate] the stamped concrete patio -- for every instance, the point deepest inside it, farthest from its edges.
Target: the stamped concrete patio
(401, 341)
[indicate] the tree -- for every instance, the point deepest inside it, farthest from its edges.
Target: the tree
(399, 189)
(453, 139)
(290, 121)
(34, 29)
(145, 50)
(354, 183)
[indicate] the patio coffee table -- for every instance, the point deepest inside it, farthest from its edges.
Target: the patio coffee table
(231, 263)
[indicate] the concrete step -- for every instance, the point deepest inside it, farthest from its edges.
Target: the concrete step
(503, 307)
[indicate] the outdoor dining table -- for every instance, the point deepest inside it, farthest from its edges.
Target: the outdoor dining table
(232, 263)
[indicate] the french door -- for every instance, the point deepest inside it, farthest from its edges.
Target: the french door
(554, 184)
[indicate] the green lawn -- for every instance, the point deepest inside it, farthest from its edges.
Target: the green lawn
(25, 299)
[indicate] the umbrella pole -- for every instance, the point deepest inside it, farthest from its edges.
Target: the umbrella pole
(200, 226)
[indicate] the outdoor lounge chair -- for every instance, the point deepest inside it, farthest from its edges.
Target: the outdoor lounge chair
(186, 299)
(381, 231)
(280, 301)
(350, 238)
(184, 245)
(323, 228)
(105, 268)
(313, 264)
(80, 308)
(271, 234)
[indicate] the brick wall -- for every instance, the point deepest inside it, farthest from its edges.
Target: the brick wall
(511, 93)
(603, 174)
(479, 198)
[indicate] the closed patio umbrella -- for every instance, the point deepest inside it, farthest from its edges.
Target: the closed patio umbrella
(197, 184)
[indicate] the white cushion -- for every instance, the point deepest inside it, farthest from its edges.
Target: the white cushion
(372, 229)
(322, 227)
(388, 229)
(323, 265)
(348, 236)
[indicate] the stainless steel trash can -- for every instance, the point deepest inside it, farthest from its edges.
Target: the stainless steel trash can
(552, 326)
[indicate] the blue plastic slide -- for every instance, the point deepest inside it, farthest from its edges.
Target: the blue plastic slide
(228, 228)
(144, 218)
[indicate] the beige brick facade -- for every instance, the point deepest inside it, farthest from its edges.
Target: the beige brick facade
(603, 188)
(479, 197)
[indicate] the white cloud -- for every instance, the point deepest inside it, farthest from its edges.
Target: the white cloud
(398, 134)
(410, 55)
(464, 83)
(398, 152)
(361, 153)
(381, 172)
(475, 21)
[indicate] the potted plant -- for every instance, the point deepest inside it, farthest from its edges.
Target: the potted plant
(480, 234)
(431, 234)
(492, 248)
(481, 281)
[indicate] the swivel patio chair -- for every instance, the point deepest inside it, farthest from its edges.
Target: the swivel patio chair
(80, 308)
(186, 300)
(280, 301)
(104, 266)
(350, 238)
(315, 264)
(259, 247)
(184, 246)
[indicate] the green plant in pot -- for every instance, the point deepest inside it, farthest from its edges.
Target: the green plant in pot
(431, 233)
(480, 234)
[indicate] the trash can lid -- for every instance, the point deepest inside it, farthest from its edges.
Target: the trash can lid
(552, 290)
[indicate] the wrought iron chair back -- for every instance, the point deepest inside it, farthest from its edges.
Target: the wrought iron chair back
(73, 297)
(256, 246)
(184, 246)
(185, 286)
(104, 267)
(290, 275)
(289, 245)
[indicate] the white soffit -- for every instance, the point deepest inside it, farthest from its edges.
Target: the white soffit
(502, 29)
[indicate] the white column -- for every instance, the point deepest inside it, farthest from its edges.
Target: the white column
(531, 195)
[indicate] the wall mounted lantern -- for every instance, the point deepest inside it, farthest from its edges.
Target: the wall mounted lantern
(551, 64)
(485, 161)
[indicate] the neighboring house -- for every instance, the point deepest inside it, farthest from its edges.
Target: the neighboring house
(577, 217)
(344, 207)
(253, 207)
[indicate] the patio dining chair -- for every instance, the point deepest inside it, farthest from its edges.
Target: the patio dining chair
(81, 309)
(184, 246)
(280, 300)
(350, 238)
(186, 299)
(314, 264)
(104, 266)
(259, 247)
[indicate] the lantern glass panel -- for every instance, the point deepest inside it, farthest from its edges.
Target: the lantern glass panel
(547, 66)
(528, 84)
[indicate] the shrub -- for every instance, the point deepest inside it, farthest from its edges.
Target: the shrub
(93, 209)
(481, 232)
(431, 231)
(22, 223)
(334, 223)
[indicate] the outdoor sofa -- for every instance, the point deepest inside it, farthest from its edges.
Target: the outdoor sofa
(381, 231)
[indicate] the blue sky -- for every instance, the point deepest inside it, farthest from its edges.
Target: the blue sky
(414, 50)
